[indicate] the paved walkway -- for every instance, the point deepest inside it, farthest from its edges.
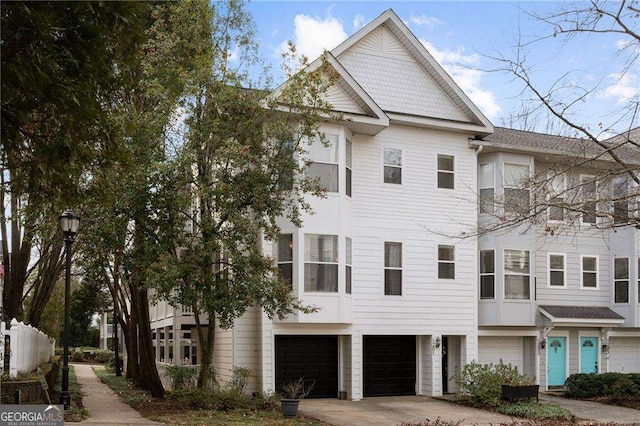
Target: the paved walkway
(105, 407)
(589, 410)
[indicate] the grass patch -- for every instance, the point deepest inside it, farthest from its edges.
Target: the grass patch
(76, 412)
(535, 410)
(123, 387)
(234, 417)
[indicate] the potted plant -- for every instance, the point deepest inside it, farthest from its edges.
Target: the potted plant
(292, 393)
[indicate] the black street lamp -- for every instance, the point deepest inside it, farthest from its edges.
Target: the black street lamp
(69, 223)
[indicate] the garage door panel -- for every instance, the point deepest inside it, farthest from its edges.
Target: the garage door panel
(624, 354)
(389, 365)
(314, 358)
(492, 349)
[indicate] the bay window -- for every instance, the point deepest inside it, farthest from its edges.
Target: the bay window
(486, 186)
(285, 257)
(516, 191)
(324, 166)
(321, 263)
(517, 274)
(487, 274)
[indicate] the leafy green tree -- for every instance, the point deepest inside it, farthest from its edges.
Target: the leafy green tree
(242, 165)
(61, 62)
(86, 301)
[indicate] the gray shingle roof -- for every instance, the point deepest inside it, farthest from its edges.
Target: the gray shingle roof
(521, 140)
(581, 312)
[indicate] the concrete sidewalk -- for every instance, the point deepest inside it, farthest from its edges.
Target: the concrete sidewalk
(105, 407)
(589, 410)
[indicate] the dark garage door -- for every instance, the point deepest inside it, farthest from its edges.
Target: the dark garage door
(389, 365)
(313, 357)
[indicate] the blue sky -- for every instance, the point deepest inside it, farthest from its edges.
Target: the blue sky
(460, 35)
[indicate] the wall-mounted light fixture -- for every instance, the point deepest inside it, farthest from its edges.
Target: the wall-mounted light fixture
(605, 349)
(436, 343)
(543, 344)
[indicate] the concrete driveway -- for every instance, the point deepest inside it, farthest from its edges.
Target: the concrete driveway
(393, 410)
(398, 409)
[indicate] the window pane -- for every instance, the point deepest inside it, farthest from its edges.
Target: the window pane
(324, 152)
(555, 212)
(516, 261)
(445, 162)
(349, 154)
(445, 180)
(485, 176)
(487, 287)
(348, 179)
(348, 250)
(515, 175)
(320, 277)
(328, 174)
(347, 281)
(557, 278)
(393, 282)
(392, 157)
(621, 292)
(446, 270)
(556, 261)
(516, 286)
(393, 255)
(445, 253)
(589, 264)
(487, 201)
(516, 200)
(487, 264)
(320, 248)
(589, 279)
(621, 268)
(392, 175)
(285, 248)
(286, 270)
(589, 215)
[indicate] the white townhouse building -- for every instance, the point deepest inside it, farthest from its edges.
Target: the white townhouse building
(404, 302)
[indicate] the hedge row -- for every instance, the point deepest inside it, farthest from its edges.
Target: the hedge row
(610, 385)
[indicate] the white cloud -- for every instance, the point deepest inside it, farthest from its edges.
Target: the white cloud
(429, 22)
(461, 68)
(623, 44)
(313, 35)
(358, 22)
(625, 87)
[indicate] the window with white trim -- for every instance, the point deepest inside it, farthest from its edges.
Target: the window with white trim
(589, 194)
(517, 275)
(621, 202)
(324, 166)
(589, 271)
(486, 187)
(348, 162)
(445, 171)
(347, 265)
(284, 255)
(557, 270)
(446, 262)
(321, 263)
(487, 274)
(393, 165)
(392, 269)
(517, 197)
(556, 197)
(621, 280)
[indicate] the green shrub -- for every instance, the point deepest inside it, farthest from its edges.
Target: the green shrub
(624, 389)
(610, 385)
(266, 401)
(77, 356)
(535, 410)
(482, 384)
(241, 376)
(181, 376)
(103, 356)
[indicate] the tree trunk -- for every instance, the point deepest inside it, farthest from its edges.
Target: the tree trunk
(206, 349)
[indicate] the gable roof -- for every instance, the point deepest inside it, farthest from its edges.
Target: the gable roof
(581, 314)
(471, 119)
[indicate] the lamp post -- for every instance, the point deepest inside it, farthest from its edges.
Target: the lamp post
(69, 223)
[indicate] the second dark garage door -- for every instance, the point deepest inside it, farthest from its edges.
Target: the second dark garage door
(389, 365)
(313, 357)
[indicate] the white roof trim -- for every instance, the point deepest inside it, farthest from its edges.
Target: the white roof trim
(431, 66)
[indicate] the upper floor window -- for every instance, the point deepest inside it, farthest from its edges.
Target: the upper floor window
(487, 274)
(517, 274)
(285, 257)
(324, 166)
(392, 165)
(621, 280)
(516, 190)
(349, 159)
(556, 197)
(446, 262)
(392, 269)
(347, 267)
(589, 271)
(285, 176)
(638, 271)
(621, 202)
(589, 193)
(321, 263)
(486, 186)
(445, 171)
(557, 270)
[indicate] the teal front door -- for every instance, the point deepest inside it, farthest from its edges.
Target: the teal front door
(588, 355)
(556, 350)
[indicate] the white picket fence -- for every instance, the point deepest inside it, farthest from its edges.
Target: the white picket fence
(28, 347)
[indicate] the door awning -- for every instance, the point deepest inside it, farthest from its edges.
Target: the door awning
(581, 315)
